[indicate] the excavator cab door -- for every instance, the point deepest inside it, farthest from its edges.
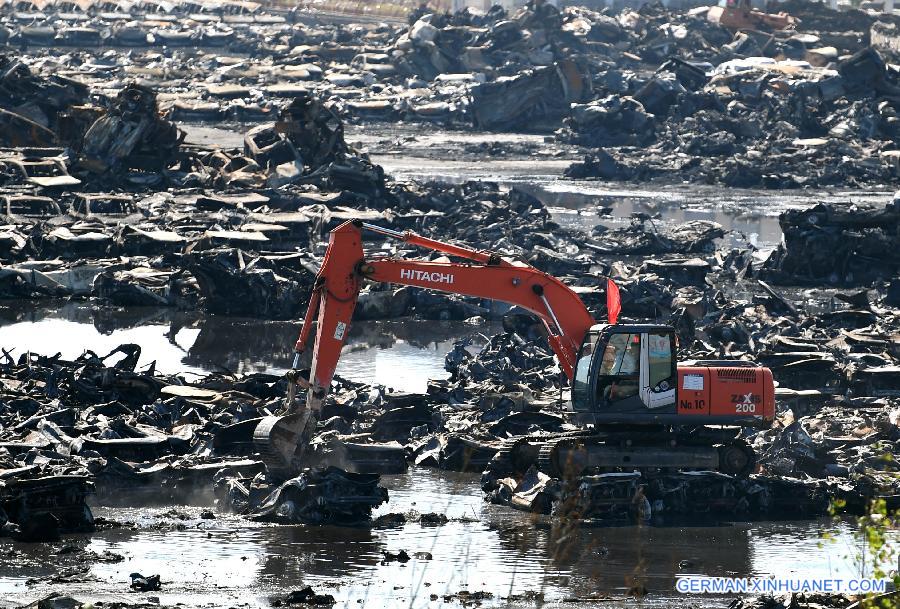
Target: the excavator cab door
(658, 370)
(626, 369)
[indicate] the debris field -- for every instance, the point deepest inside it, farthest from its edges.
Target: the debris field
(104, 198)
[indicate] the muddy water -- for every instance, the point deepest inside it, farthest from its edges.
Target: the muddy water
(530, 163)
(229, 561)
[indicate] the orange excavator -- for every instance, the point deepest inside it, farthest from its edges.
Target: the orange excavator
(636, 406)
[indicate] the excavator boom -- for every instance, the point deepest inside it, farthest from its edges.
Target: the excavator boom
(482, 275)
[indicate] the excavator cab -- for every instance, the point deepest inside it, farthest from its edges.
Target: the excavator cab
(626, 371)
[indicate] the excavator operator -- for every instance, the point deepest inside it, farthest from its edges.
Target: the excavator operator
(619, 368)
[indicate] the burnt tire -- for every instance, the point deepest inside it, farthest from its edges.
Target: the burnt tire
(737, 458)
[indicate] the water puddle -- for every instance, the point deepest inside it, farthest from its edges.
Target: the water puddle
(751, 213)
(401, 354)
(483, 548)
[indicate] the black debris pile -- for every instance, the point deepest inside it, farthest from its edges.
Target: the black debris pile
(256, 252)
(626, 496)
(96, 424)
(149, 583)
(829, 601)
(885, 38)
(659, 93)
(610, 121)
(520, 102)
(307, 597)
(840, 245)
(306, 146)
(642, 236)
(460, 43)
(32, 106)
(749, 122)
(131, 134)
(234, 283)
(506, 358)
(843, 441)
(37, 505)
(55, 600)
(323, 496)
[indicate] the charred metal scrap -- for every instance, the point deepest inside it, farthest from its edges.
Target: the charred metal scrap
(70, 428)
(306, 145)
(33, 108)
(323, 496)
(200, 246)
(838, 245)
(131, 134)
(750, 122)
(35, 506)
(667, 94)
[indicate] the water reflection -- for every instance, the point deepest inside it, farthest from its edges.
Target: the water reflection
(483, 548)
(402, 354)
(634, 558)
(754, 213)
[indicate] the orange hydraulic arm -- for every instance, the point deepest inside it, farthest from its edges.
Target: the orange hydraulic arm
(484, 275)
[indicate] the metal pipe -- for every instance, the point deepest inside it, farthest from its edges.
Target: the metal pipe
(434, 244)
(384, 231)
(559, 330)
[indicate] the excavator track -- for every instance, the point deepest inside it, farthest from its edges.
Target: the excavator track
(546, 461)
(548, 455)
(518, 453)
(576, 454)
(503, 463)
(514, 456)
(737, 458)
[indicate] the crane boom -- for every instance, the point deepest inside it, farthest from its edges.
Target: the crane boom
(483, 275)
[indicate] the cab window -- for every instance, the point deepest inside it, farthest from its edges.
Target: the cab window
(662, 369)
(582, 381)
(622, 355)
(618, 376)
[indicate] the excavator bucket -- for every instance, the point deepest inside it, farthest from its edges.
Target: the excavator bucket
(282, 442)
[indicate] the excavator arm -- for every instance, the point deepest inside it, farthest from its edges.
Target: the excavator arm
(481, 274)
